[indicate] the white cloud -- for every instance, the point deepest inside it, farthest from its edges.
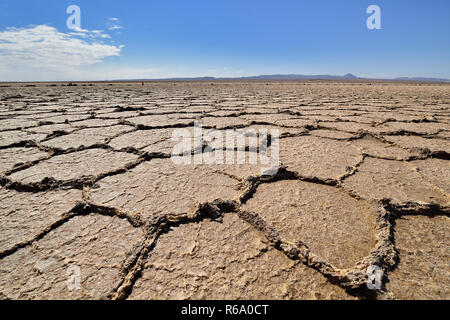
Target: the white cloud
(115, 27)
(42, 50)
(114, 24)
(91, 34)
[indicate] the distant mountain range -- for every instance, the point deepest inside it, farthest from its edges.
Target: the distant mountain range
(348, 76)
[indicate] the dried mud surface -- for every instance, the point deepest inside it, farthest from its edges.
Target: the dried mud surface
(87, 181)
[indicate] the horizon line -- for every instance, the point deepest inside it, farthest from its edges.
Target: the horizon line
(273, 77)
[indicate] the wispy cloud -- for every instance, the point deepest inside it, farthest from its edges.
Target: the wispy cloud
(114, 24)
(91, 34)
(43, 49)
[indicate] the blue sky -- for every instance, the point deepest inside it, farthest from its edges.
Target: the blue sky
(154, 39)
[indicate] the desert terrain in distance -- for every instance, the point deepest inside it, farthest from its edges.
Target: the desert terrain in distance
(93, 207)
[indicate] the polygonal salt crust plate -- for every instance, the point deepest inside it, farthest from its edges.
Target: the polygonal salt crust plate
(75, 165)
(91, 248)
(337, 227)
(160, 186)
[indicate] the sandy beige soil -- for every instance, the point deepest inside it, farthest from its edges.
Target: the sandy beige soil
(87, 182)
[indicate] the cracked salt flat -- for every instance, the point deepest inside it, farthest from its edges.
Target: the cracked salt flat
(87, 180)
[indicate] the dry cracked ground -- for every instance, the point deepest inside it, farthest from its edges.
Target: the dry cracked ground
(93, 207)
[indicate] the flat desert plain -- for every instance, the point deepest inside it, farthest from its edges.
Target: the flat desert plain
(92, 205)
